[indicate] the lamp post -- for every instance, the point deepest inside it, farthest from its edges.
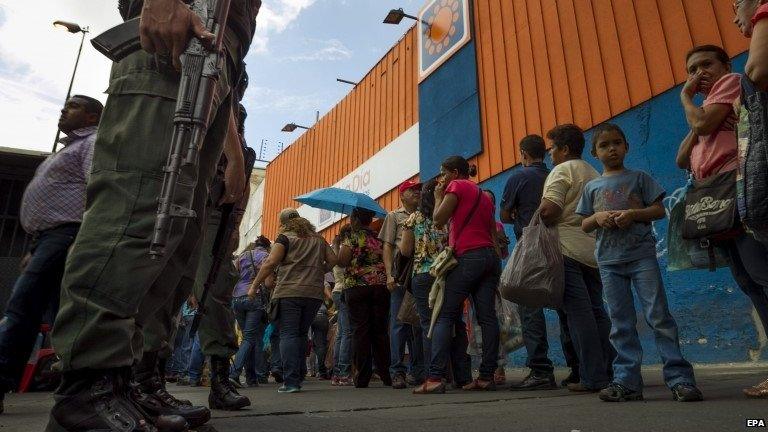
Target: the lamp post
(290, 127)
(72, 28)
(347, 82)
(396, 15)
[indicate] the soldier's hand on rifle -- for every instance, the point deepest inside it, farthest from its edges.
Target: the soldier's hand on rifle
(166, 27)
(234, 174)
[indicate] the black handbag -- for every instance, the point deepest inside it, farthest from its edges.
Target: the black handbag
(402, 269)
(710, 209)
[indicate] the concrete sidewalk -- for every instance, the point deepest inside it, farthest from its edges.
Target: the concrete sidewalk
(326, 408)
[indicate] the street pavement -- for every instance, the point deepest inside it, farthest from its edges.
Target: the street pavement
(320, 407)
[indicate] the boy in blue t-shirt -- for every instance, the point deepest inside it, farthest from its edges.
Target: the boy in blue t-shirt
(620, 205)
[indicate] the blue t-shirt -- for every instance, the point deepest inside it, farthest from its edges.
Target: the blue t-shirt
(523, 194)
(628, 190)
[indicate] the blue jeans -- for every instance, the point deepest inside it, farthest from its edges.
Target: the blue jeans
(250, 355)
(35, 292)
(534, 326)
(476, 275)
(644, 275)
(275, 362)
(342, 349)
(401, 335)
(461, 362)
(588, 323)
(295, 317)
(182, 348)
(196, 361)
(749, 266)
(319, 339)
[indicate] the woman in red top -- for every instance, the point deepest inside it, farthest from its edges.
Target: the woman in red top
(471, 235)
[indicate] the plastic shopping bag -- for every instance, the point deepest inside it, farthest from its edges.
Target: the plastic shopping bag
(511, 331)
(534, 276)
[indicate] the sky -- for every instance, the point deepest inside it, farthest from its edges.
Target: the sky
(300, 48)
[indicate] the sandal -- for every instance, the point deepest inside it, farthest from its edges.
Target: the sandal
(480, 385)
(430, 387)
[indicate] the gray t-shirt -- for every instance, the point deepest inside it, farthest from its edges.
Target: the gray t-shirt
(627, 190)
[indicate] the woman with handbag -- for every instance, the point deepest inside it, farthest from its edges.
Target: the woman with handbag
(303, 258)
(423, 241)
(250, 316)
(710, 153)
(476, 273)
(752, 20)
(367, 298)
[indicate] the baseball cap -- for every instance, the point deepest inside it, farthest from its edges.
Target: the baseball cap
(408, 184)
(287, 214)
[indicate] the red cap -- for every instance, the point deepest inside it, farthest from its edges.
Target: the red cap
(408, 184)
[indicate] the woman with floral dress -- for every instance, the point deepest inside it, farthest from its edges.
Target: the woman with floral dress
(367, 297)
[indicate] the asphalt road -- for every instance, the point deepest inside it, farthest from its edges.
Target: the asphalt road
(324, 408)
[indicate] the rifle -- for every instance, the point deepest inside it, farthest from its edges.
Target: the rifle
(200, 70)
(230, 215)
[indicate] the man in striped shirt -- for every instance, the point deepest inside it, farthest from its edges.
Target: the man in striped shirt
(51, 210)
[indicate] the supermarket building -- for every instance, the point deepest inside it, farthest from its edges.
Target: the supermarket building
(492, 71)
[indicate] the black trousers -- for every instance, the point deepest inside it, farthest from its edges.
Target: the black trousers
(369, 319)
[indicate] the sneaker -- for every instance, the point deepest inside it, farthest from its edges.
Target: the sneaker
(413, 381)
(278, 376)
(686, 392)
(581, 388)
(196, 383)
(535, 381)
(500, 376)
(398, 382)
(323, 376)
(288, 389)
(758, 391)
(263, 380)
(334, 380)
(182, 381)
(616, 392)
(345, 381)
(572, 378)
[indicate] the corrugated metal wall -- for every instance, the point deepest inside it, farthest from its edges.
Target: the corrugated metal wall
(540, 63)
(382, 106)
(546, 62)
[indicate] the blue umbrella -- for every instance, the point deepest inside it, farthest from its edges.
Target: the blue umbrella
(340, 201)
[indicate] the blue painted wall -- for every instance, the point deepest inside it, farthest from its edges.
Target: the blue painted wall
(714, 316)
(449, 112)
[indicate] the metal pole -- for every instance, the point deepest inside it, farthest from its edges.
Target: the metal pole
(71, 81)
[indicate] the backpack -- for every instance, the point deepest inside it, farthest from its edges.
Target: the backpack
(752, 180)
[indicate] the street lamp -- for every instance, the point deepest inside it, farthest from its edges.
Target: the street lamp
(396, 15)
(347, 82)
(72, 28)
(290, 127)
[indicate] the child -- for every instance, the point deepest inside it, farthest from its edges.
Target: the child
(620, 205)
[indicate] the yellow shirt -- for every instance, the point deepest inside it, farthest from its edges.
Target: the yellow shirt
(563, 187)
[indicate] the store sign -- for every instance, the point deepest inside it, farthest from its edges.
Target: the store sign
(384, 171)
(448, 29)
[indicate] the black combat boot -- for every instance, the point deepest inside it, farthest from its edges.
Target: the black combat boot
(95, 401)
(150, 395)
(223, 395)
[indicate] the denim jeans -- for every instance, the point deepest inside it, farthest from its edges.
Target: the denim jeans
(295, 317)
(588, 322)
(400, 335)
(534, 326)
(34, 293)
(319, 337)
(342, 350)
(182, 348)
(275, 361)
(461, 362)
(749, 266)
(250, 355)
(196, 361)
(644, 275)
(476, 275)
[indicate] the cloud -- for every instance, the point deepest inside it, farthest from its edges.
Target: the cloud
(36, 60)
(275, 17)
(272, 100)
(320, 50)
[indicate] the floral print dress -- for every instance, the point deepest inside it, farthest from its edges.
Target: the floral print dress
(367, 265)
